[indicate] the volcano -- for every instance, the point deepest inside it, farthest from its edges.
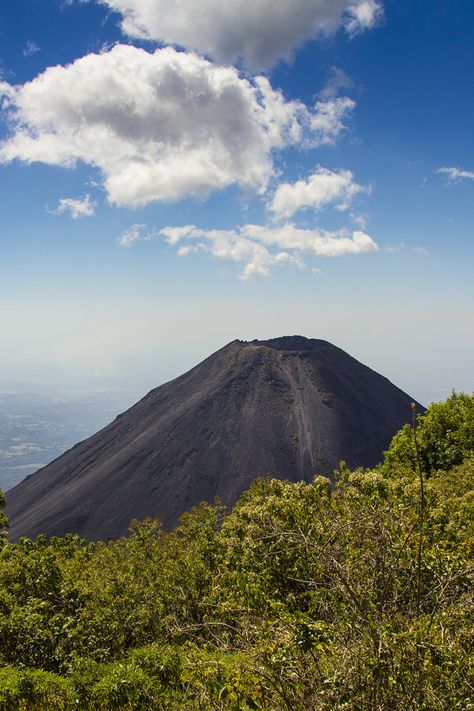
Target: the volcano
(290, 407)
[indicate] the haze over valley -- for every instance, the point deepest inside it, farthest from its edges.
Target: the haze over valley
(38, 423)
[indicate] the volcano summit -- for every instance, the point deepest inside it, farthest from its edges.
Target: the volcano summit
(291, 407)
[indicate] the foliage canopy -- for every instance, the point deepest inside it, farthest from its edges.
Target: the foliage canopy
(304, 596)
(445, 434)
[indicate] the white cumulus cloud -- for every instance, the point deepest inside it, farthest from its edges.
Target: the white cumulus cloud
(260, 248)
(160, 126)
(260, 32)
(324, 187)
(75, 207)
(455, 175)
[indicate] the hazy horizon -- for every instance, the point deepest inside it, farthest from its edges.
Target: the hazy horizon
(140, 359)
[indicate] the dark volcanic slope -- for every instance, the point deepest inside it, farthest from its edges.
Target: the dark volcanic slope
(290, 406)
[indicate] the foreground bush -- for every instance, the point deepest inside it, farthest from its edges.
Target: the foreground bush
(304, 596)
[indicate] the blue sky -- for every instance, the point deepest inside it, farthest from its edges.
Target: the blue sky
(173, 180)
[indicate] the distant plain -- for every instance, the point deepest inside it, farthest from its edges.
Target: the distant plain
(39, 422)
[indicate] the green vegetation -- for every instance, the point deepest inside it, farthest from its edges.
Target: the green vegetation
(304, 596)
(445, 435)
(3, 520)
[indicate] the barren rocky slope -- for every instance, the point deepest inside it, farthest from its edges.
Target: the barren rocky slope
(290, 406)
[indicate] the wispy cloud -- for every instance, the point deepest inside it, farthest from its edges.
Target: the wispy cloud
(363, 16)
(76, 208)
(420, 251)
(30, 48)
(401, 247)
(455, 175)
(260, 248)
(360, 220)
(394, 247)
(135, 233)
(329, 119)
(337, 83)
